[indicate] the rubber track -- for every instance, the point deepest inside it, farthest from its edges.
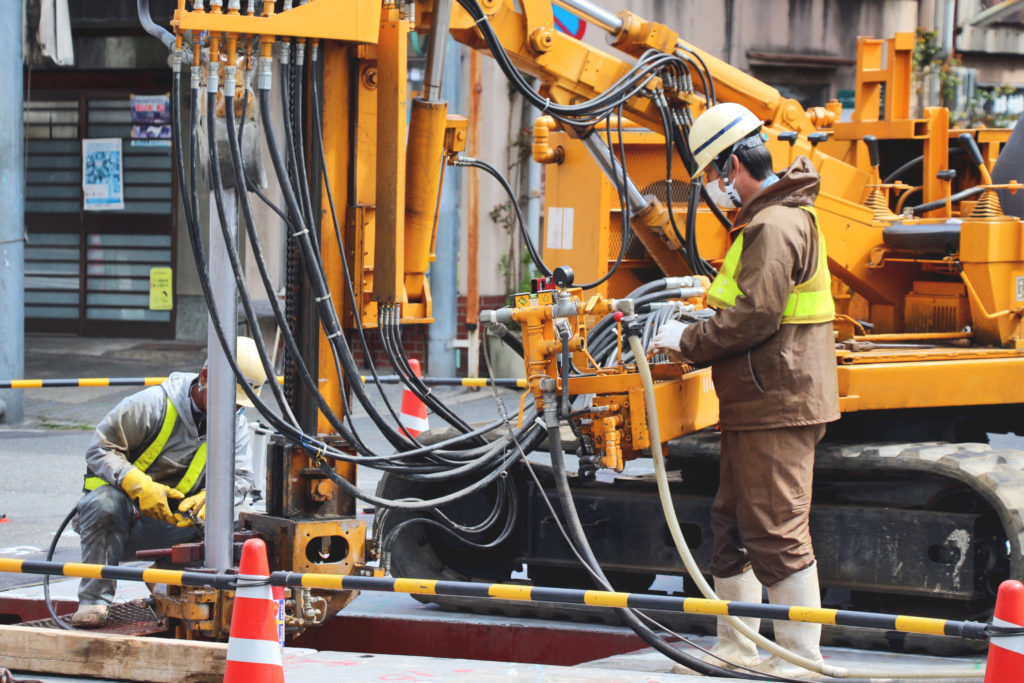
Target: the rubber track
(997, 475)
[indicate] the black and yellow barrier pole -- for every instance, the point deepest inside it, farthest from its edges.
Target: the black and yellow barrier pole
(971, 630)
(509, 382)
(100, 571)
(595, 598)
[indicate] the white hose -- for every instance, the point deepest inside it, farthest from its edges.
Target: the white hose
(694, 571)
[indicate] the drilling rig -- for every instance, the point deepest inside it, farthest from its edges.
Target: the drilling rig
(912, 510)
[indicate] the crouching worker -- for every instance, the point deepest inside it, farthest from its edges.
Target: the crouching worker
(145, 482)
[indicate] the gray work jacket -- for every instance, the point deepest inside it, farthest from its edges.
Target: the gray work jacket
(136, 421)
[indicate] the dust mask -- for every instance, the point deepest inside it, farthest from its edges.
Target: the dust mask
(727, 198)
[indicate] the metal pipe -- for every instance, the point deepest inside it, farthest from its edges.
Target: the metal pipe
(151, 27)
(439, 20)
(613, 169)
(911, 336)
(533, 193)
(444, 276)
(220, 408)
(595, 14)
(12, 211)
(948, 19)
(996, 13)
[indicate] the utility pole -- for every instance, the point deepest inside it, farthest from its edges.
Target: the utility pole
(12, 210)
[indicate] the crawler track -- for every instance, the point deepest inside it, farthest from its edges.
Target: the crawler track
(927, 529)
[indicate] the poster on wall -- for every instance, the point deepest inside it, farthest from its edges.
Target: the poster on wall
(102, 175)
(151, 120)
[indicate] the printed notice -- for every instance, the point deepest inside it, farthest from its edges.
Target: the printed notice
(560, 227)
(102, 177)
(161, 297)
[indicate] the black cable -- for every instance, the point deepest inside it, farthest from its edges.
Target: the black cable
(299, 144)
(916, 161)
(535, 256)
(231, 249)
(46, 577)
(579, 539)
(257, 252)
(343, 256)
(414, 382)
(710, 83)
(939, 203)
(331, 327)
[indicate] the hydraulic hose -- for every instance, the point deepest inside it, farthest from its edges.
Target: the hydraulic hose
(668, 508)
(46, 578)
(940, 203)
(257, 251)
(579, 539)
(333, 330)
(318, 139)
(229, 239)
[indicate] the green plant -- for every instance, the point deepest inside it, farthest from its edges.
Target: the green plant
(928, 62)
(517, 279)
(981, 110)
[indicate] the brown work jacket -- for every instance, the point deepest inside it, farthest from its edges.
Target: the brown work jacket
(769, 375)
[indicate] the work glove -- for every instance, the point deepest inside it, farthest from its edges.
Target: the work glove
(668, 336)
(192, 509)
(151, 496)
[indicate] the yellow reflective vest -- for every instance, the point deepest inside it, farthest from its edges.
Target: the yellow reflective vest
(809, 302)
(152, 452)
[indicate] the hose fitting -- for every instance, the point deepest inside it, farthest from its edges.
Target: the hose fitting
(212, 78)
(265, 76)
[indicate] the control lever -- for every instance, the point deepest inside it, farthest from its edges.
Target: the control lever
(970, 145)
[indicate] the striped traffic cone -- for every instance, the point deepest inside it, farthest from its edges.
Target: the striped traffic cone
(1006, 653)
(413, 415)
(254, 655)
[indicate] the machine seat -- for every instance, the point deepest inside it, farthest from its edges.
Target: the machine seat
(927, 239)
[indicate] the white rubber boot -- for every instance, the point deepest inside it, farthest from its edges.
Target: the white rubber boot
(732, 648)
(799, 589)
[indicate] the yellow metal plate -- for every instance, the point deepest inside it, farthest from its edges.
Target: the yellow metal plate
(349, 20)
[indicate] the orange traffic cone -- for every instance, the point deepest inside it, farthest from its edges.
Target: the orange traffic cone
(413, 415)
(1006, 653)
(254, 654)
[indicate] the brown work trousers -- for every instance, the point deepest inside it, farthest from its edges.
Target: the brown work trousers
(760, 514)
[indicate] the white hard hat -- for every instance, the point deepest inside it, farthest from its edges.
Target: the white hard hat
(717, 130)
(248, 360)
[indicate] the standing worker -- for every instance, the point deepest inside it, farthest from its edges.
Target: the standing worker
(773, 363)
(152, 446)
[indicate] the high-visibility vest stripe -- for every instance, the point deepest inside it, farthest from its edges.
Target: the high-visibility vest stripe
(194, 471)
(809, 302)
(152, 451)
(195, 468)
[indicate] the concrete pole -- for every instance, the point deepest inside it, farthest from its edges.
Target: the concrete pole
(12, 211)
(220, 417)
(444, 280)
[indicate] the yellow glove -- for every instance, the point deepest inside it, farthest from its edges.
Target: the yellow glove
(192, 509)
(152, 497)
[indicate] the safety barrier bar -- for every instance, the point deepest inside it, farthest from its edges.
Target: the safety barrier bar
(510, 382)
(971, 630)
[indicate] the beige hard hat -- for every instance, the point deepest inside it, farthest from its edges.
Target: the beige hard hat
(248, 360)
(718, 129)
